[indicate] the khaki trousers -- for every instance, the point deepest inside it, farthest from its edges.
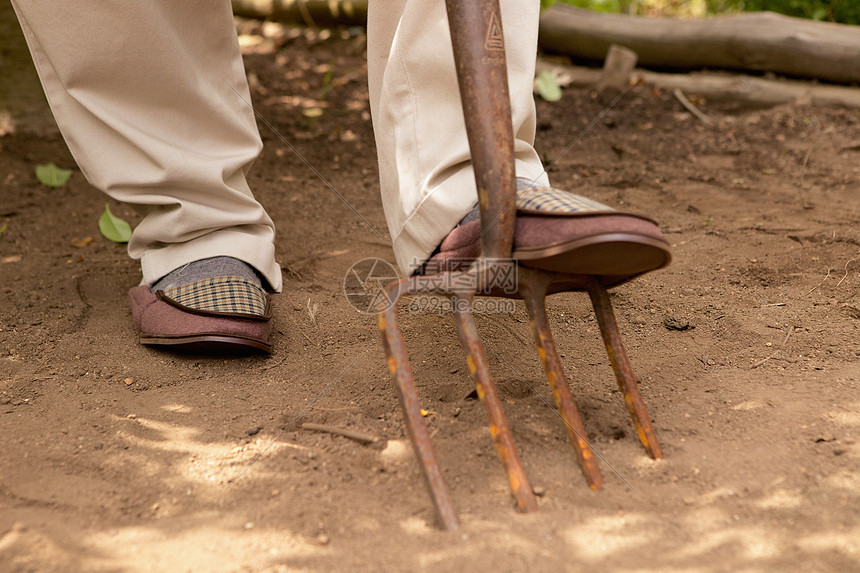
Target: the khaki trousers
(153, 102)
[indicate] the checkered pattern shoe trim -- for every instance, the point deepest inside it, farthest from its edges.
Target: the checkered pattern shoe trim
(222, 295)
(555, 201)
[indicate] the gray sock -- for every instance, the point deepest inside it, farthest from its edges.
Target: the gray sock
(475, 213)
(207, 269)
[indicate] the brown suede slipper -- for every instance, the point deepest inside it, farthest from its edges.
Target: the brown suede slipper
(559, 231)
(164, 322)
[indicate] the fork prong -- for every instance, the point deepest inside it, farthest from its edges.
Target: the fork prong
(479, 368)
(623, 370)
(401, 373)
(533, 289)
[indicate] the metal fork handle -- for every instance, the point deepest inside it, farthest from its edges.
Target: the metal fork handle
(479, 54)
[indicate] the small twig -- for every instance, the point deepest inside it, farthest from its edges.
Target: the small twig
(773, 355)
(763, 360)
(846, 271)
(803, 166)
(290, 270)
(361, 437)
(679, 95)
(819, 284)
(806, 158)
(312, 311)
(309, 338)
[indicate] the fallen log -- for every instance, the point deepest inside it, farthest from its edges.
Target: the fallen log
(757, 41)
(755, 91)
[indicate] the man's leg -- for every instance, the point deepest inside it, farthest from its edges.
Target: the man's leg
(428, 186)
(426, 176)
(153, 102)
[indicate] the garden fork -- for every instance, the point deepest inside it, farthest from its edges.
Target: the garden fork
(478, 43)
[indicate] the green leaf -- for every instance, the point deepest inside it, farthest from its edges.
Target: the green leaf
(113, 228)
(326, 85)
(547, 86)
(52, 176)
(3, 228)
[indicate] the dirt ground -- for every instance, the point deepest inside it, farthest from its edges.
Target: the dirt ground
(116, 457)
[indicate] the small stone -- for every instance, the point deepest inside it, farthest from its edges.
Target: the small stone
(85, 242)
(395, 452)
(539, 491)
(129, 381)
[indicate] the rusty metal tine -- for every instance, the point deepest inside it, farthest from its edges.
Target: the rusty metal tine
(479, 368)
(623, 369)
(479, 54)
(401, 372)
(533, 291)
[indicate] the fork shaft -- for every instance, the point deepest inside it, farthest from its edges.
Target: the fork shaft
(479, 55)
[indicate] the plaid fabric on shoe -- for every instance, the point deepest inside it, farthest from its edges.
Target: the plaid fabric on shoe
(229, 295)
(550, 201)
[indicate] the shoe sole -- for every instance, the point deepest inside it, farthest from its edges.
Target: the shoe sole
(612, 257)
(209, 344)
